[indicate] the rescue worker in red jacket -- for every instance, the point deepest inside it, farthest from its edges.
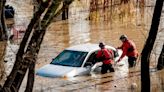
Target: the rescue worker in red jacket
(106, 56)
(129, 49)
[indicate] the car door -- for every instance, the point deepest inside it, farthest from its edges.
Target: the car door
(92, 64)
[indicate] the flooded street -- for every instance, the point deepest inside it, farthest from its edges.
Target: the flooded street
(87, 24)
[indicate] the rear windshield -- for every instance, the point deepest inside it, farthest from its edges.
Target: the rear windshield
(70, 58)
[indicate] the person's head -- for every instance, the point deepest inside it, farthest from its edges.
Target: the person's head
(123, 38)
(101, 45)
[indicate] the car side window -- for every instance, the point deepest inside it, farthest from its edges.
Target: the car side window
(92, 59)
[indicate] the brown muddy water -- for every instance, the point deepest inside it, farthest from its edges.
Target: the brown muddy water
(92, 26)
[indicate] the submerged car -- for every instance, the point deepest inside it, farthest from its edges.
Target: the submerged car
(74, 61)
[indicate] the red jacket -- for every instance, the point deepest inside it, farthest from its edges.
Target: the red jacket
(129, 49)
(107, 54)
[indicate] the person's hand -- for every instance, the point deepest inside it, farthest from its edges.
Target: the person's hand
(115, 63)
(118, 48)
(118, 60)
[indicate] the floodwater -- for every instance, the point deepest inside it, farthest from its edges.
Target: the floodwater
(87, 24)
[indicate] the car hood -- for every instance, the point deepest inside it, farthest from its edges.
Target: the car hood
(51, 70)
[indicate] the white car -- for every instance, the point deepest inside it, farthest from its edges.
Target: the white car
(74, 61)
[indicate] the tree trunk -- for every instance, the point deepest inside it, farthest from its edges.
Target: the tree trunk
(31, 70)
(145, 75)
(33, 49)
(9, 84)
(3, 45)
(1, 29)
(40, 34)
(34, 45)
(3, 22)
(31, 75)
(3, 42)
(30, 54)
(64, 13)
(3, 35)
(160, 64)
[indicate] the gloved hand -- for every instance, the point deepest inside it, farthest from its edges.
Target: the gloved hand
(118, 60)
(118, 48)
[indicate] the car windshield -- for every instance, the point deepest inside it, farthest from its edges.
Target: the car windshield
(70, 58)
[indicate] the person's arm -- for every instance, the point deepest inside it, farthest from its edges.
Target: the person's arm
(120, 47)
(124, 49)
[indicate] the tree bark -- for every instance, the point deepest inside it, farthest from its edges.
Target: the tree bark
(3, 35)
(33, 49)
(31, 70)
(31, 75)
(34, 46)
(3, 45)
(3, 22)
(30, 53)
(160, 64)
(1, 29)
(40, 34)
(3, 42)
(145, 75)
(9, 84)
(65, 11)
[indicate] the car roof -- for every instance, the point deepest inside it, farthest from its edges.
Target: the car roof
(89, 47)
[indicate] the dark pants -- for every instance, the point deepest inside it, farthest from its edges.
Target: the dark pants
(106, 67)
(132, 61)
